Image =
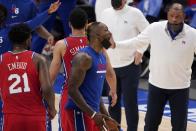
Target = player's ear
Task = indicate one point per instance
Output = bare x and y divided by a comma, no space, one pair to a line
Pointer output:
86,25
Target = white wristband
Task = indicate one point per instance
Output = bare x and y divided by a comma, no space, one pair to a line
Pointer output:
93,115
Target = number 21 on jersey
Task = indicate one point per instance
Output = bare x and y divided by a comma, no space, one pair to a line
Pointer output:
14,89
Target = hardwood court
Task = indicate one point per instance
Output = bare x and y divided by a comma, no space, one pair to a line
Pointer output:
165,124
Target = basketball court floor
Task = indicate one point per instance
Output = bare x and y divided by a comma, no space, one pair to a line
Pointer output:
165,124
142,100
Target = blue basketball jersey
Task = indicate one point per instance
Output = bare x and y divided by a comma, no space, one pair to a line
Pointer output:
91,88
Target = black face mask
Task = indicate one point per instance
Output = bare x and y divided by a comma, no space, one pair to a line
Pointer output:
116,3
106,43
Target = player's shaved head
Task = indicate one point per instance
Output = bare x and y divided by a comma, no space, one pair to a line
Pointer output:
91,29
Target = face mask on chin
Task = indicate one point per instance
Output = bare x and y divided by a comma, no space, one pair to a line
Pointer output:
106,43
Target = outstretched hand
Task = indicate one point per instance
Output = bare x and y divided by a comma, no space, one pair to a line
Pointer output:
54,7
50,40
138,58
113,95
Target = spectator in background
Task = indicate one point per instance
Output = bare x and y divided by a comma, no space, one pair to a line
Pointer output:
5,44
191,12
125,22
92,2
63,12
151,9
24,10
100,6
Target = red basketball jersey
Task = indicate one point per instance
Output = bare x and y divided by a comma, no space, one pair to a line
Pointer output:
191,2
19,84
73,44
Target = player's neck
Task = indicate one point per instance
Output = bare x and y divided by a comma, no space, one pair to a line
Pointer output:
17,49
96,46
78,33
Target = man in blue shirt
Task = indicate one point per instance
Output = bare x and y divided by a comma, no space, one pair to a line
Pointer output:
85,109
33,24
24,10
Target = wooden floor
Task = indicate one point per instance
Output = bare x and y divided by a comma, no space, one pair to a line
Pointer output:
165,124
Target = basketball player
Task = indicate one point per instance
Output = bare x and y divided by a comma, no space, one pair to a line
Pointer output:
85,108
24,83
65,49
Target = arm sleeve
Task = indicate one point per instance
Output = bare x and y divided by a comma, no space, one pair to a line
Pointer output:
38,20
141,22
140,43
34,10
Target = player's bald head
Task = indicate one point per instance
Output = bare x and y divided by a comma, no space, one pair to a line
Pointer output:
92,28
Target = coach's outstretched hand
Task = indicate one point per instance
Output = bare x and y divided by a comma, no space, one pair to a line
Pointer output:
114,97
54,7
137,58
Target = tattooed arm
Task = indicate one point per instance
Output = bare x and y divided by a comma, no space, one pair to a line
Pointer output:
80,64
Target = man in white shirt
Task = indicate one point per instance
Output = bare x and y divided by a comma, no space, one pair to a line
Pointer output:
100,6
173,44
125,22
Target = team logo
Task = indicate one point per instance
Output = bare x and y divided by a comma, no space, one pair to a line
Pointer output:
15,10
101,68
183,42
126,22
